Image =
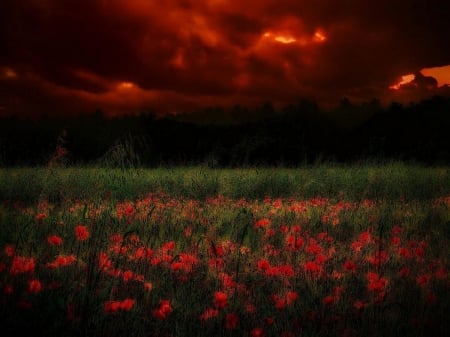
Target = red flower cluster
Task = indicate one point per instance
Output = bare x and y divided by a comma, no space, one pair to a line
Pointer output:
21,265
81,232
114,306
62,261
163,310
220,299
55,240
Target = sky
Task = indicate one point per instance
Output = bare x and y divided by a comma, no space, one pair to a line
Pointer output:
128,56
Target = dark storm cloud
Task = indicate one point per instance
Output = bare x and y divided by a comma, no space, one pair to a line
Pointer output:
188,53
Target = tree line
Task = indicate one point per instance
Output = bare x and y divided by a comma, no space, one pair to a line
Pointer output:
294,135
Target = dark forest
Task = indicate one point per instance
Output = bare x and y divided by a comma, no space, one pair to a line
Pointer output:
297,134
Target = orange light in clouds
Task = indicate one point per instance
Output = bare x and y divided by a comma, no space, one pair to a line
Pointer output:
9,73
284,39
126,85
319,36
441,74
405,79
287,38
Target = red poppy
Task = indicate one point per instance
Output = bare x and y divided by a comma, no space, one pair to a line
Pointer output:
329,300
423,280
127,275
220,299
55,240
257,332
22,265
81,232
163,311
311,266
404,272
263,264
376,283
349,265
127,304
262,223
209,313
10,250
231,321
111,306
34,286
291,297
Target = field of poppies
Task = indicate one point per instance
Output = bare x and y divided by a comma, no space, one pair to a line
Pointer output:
332,259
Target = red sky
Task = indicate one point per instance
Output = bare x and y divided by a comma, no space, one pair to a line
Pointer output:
125,56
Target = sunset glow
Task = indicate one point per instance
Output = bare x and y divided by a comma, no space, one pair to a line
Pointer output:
285,39
208,52
9,73
405,79
319,37
126,85
441,74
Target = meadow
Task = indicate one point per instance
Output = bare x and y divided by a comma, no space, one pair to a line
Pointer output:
325,250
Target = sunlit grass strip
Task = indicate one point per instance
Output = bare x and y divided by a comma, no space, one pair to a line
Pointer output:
390,182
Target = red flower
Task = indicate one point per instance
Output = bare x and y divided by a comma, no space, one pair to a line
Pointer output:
395,240
423,280
148,286
404,272
279,302
357,246
62,261
294,242
127,304
22,265
262,223
376,283
272,271
257,332
291,297
220,299
379,258
396,230
349,265
209,313
313,247
163,311
286,270
81,232
55,240
127,275
129,210
34,286
263,264
311,266
359,304
441,273
231,321
40,216
10,250
168,246
329,300
365,237
111,306
227,280
404,252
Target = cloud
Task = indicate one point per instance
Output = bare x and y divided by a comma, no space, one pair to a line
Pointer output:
179,54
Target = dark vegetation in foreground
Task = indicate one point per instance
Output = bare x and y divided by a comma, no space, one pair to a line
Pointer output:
296,135
324,250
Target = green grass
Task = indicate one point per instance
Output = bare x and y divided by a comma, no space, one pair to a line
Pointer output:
390,181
